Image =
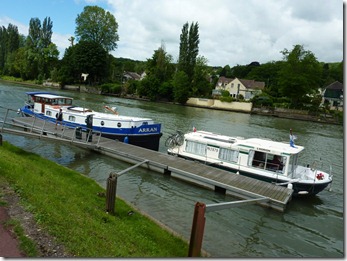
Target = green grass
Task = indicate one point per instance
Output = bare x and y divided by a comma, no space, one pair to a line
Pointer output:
67,206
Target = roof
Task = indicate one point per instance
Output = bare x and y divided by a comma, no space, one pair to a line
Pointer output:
224,80
335,86
132,75
255,143
273,146
47,95
252,84
333,90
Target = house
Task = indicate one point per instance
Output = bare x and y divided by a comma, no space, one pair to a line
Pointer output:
333,95
247,88
131,76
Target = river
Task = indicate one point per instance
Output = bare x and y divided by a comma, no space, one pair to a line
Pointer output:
312,227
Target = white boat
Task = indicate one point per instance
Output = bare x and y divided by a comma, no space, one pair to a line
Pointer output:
267,160
143,132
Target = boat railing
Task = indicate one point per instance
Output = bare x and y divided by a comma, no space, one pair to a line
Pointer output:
319,165
8,115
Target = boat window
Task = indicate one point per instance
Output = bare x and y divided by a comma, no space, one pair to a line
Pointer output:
119,124
274,162
267,161
68,102
196,148
258,160
48,113
72,118
145,123
228,155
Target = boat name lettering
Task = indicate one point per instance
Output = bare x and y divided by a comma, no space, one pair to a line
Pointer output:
263,149
148,130
214,149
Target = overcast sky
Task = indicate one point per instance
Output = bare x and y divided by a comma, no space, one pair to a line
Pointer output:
231,31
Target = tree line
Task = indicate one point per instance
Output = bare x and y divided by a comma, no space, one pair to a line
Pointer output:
296,78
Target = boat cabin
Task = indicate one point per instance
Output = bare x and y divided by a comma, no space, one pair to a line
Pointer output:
39,100
235,152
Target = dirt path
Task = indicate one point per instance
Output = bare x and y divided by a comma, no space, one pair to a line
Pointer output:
9,245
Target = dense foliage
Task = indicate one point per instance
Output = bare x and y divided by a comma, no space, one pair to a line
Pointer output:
294,80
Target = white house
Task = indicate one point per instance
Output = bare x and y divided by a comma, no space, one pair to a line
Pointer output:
247,88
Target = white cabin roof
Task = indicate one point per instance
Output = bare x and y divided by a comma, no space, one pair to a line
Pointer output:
265,145
52,96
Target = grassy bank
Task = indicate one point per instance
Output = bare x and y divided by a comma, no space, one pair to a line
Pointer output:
66,204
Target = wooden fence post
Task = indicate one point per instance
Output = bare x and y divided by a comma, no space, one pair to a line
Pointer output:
197,233
111,190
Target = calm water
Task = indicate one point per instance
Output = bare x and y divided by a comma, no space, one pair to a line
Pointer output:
309,228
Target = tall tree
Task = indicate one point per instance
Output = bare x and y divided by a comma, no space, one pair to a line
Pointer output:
299,75
189,49
96,25
46,32
34,36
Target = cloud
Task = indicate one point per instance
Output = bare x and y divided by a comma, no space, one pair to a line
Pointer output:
231,32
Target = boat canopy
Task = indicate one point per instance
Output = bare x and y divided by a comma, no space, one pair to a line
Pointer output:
264,145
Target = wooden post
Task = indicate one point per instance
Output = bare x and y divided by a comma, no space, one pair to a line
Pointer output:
197,233
111,190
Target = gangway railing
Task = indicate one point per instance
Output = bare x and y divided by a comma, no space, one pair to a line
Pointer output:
8,119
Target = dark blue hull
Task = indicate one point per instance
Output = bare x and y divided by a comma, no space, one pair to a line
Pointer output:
134,136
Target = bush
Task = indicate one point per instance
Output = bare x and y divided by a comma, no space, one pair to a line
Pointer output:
262,101
111,88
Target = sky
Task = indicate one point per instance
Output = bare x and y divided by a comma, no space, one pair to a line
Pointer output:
231,32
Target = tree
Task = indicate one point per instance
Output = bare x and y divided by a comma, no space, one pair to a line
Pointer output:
180,91
96,25
299,75
159,70
200,85
40,51
189,49
91,58
9,44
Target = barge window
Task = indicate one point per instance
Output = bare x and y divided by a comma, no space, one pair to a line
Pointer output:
196,148
72,118
228,155
48,113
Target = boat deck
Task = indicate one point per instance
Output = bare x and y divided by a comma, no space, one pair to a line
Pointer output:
193,172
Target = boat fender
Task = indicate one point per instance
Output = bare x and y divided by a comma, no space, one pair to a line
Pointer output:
126,140
290,186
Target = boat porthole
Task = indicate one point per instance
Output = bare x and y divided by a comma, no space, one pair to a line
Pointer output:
102,123
119,124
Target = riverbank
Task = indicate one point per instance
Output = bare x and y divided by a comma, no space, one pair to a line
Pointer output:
67,207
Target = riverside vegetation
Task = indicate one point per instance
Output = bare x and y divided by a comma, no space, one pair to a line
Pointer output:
66,205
